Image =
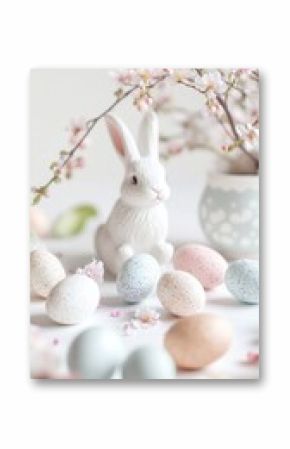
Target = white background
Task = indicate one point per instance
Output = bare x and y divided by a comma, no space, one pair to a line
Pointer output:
94,415
59,95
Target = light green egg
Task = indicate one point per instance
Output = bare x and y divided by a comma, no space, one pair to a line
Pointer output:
149,362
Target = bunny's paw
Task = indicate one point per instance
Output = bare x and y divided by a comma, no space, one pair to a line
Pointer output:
124,253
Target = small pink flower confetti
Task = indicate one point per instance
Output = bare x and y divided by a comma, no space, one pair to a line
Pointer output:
252,358
94,270
147,315
115,313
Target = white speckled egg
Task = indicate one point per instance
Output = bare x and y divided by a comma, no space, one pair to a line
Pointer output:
242,280
73,300
96,353
138,277
180,293
149,362
45,272
206,264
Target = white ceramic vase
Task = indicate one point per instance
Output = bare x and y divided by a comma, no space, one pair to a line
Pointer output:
229,214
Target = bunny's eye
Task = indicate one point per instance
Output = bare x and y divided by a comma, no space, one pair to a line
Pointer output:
134,180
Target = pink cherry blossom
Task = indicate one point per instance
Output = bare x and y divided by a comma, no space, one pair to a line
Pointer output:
76,131
211,80
250,136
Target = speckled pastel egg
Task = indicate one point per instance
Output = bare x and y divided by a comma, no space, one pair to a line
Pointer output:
39,222
206,264
181,293
137,278
198,340
73,300
96,353
242,280
45,272
149,362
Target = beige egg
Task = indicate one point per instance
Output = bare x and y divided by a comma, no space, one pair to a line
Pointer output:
199,340
45,272
39,222
180,293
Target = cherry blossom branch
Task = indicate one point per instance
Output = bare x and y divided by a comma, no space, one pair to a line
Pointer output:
233,128
225,108
42,191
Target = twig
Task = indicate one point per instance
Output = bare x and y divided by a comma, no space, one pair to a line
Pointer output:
42,191
192,86
227,132
233,128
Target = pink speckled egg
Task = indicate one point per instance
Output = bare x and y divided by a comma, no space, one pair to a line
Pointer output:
206,264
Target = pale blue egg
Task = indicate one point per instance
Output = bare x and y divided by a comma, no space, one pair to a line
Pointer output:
137,278
96,353
242,280
148,363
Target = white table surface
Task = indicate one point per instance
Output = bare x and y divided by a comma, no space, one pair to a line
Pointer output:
77,251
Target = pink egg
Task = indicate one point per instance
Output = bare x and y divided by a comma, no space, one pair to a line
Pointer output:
206,264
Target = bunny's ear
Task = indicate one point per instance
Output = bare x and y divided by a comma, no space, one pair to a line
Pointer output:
148,138
122,139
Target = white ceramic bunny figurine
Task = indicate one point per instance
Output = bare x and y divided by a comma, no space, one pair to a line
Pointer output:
138,222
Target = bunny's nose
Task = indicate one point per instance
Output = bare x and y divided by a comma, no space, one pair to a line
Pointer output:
159,192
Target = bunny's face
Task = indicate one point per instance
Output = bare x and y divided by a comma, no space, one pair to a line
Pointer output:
144,184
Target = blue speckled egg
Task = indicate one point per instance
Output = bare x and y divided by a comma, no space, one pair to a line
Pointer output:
137,278
149,362
242,280
96,353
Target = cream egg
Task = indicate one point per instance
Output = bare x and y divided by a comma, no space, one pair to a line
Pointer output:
39,222
180,293
73,300
45,272
199,340
206,264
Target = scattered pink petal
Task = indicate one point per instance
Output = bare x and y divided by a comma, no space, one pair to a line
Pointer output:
115,313
147,315
252,357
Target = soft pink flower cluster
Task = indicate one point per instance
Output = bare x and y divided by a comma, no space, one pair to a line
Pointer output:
94,270
237,90
143,318
143,79
76,137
